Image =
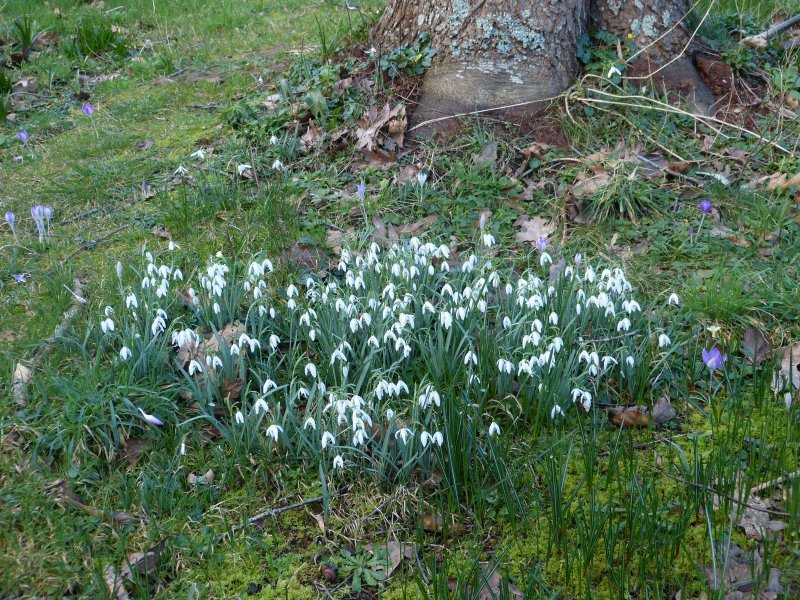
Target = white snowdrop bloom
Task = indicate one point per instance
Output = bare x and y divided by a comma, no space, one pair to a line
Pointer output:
336,355
613,71
630,360
269,385
278,165
360,437
366,319
305,319
446,319
631,306
373,341
437,438
488,240
274,341
473,379
506,322
470,358
338,462
108,311
608,360
158,326
355,325
624,324
195,367
589,275
610,310
216,362
183,448
505,366
373,303
272,313
216,308
553,318
537,325
274,431
556,410
509,289
235,350
291,291
107,325
389,414
461,313
578,308
482,306
545,259
494,429
312,334
404,434
557,344
131,301
291,304
328,440
424,438
663,340
673,299
239,417
311,370
431,270
428,307
125,353
260,405
310,422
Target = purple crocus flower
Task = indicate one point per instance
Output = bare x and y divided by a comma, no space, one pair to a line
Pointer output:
706,206
22,134
10,220
88,109
40,214
19,277
144,187
541,243
151,418
361,190
714,359
691,230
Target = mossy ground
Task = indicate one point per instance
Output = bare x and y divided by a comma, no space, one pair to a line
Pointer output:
188,61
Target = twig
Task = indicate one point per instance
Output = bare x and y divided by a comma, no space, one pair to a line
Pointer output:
80,216
273,512
761,40
768,484
23,375
93,243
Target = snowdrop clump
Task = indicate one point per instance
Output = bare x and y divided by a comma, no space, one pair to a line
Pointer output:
403,358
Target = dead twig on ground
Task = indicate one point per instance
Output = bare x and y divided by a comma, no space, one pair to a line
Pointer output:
93,243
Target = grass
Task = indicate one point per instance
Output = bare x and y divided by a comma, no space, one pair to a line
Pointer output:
578,507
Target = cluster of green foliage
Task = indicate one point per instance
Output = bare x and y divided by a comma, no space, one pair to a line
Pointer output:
409,60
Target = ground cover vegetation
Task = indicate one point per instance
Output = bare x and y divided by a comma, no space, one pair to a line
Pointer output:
257,342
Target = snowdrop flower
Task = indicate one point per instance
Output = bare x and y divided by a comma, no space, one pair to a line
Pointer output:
260,405
607,360
553,318
274,342
545,259
446,319
404,434
268,385
624,325
556,410
470,357
107,325
673,299
437,438
194,367
613,71
274,431
630,360
328,440
505,366
424,438
312,334
240,169
310,422
216,362
278,165
198,154
494,429
338,462
373,341
389,414
663,340
150,418
506,322
125,353
488,240
360,437
239,417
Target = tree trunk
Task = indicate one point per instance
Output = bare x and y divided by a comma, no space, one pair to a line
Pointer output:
496,53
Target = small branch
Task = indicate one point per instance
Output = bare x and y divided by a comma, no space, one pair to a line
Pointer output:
93,243
23,375
761,40
273,512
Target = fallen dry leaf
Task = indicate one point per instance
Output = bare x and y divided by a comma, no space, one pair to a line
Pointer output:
383,235
777,181
371,123
537,149
587,185
418,227
377,158
434,522
139,565
756,523
133,450
114,584
737,579
19,381
306,256
630,416
393,553
493,588
532,228
206,479
488,155
311,137
788,375
162,232
755,345
145,145
231,389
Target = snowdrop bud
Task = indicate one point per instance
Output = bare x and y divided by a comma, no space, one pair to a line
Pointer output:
239,417
630,360
663,340
494,429
119,271
556,410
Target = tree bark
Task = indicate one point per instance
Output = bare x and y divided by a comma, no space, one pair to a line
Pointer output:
495,53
